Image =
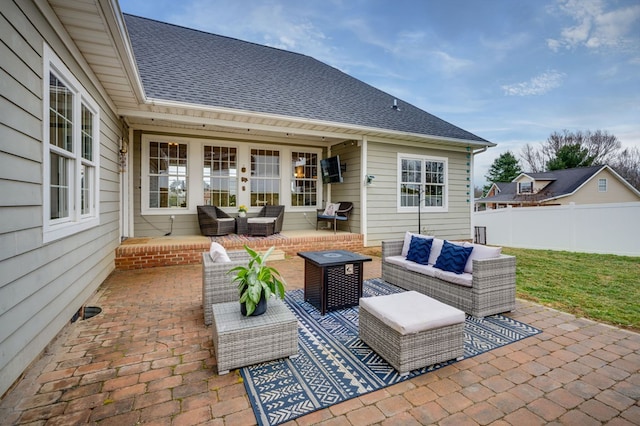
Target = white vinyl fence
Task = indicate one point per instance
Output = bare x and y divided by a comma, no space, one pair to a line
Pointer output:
592,228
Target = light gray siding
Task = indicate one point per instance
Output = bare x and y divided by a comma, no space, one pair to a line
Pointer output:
383,219
42,285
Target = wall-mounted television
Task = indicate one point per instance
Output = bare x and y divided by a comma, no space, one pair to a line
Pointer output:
331,171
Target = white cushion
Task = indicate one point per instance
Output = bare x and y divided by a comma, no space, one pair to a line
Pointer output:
398,260
261,219
225,219
422,269
407,241
480,252
218,253
411,312
331,208
465,279
436,248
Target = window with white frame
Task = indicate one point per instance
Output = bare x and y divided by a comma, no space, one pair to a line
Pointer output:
220,176
602,185
525,187
422,182
304,180
71,153
265,177
166,169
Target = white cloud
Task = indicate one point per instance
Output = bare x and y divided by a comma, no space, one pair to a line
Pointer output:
538,85
596,28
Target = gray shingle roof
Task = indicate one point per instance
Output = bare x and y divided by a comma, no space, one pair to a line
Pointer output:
195,67
563,182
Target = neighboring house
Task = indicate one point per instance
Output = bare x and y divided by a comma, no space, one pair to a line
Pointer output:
583,185
112,125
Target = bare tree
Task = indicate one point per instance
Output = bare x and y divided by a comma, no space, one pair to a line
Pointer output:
627,165
600,145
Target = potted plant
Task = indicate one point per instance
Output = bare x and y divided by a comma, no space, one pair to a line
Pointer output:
257,282
242,210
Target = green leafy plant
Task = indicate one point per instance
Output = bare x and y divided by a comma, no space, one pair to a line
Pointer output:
257,278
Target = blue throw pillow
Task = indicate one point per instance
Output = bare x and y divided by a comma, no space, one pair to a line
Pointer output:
453,257
419,250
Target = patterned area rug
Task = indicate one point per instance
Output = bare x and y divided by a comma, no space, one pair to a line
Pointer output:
334,365
235,238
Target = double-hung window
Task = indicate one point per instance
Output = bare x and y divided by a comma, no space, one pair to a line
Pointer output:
220,176
71,153
422,183
304,180
165,172
265,177
602,185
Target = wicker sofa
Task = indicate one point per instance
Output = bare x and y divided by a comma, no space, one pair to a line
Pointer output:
491,288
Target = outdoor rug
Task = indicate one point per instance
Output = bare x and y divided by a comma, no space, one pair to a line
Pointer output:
236,238
334,365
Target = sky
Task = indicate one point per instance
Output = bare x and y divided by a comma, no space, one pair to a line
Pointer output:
511,72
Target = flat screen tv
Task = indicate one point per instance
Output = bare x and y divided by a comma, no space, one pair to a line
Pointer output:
331,172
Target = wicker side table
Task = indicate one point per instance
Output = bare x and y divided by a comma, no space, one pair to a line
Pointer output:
241,225
240,340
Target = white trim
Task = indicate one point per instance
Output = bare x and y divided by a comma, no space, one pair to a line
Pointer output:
76,222
423,208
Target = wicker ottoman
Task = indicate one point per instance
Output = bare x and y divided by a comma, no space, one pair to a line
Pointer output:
410,330
240,340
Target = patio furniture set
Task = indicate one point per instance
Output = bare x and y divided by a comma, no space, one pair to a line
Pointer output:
410,330
214,221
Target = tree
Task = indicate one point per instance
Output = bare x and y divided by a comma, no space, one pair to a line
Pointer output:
569,157
505,168
600,145
627,165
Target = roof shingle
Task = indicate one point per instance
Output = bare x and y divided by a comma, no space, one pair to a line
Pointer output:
195,67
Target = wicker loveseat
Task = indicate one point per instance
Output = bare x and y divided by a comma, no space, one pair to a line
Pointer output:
489,289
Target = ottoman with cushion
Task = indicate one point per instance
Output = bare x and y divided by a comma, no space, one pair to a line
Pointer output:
410,330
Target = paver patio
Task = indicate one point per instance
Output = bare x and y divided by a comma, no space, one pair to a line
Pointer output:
148,358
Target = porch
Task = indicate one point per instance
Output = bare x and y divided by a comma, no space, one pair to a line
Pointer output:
149,252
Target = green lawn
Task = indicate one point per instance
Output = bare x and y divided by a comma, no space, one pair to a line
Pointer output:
601,287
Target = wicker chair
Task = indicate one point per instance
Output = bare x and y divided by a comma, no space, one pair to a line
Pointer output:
213,221
341,215
217,285
259,226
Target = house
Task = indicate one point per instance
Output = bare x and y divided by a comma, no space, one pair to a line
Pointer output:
117,126
582,185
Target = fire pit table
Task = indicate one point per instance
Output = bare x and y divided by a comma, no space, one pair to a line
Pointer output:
332,279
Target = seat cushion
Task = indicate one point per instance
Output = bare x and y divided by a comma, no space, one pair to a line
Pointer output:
398,261
411,312
429,270
261,219
464,279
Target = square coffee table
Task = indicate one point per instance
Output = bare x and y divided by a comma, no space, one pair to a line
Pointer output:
240,341
332,279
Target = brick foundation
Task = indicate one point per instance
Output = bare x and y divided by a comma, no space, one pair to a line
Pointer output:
140,256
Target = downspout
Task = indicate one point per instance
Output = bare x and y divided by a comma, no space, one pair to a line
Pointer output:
363,192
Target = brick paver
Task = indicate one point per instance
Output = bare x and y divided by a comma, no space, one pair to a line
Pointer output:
149,358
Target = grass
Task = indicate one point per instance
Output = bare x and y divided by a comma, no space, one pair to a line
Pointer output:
601,287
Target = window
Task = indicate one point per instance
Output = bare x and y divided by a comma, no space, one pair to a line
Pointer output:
167,175
422,183
71,153
525,187
265,177
304,180
220,176
602,185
